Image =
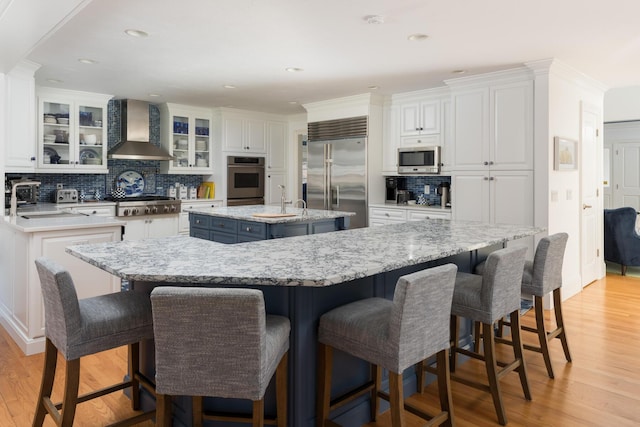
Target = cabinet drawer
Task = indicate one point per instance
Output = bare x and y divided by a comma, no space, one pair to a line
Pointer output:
422,215
381,213
254,230
99,211
200,221
226,225
226,238
420,141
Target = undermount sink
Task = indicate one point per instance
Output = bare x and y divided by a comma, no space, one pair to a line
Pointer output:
37,215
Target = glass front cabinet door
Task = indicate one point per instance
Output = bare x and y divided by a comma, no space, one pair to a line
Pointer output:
186,134
72,131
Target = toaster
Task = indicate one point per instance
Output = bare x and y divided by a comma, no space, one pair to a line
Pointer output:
67,195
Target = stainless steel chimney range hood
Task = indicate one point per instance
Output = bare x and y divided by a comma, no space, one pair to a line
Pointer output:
134,128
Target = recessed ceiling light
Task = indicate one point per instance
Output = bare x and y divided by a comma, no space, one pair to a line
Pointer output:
293,102
459,71
87,61
229,86
373,87
417,37
136,33
374,19
293,69
54,81
154,95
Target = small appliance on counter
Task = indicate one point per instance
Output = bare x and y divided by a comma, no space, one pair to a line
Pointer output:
444,191
26,194
403,197
66,195
393,185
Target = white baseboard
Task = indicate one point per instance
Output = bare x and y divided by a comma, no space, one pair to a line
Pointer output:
28,346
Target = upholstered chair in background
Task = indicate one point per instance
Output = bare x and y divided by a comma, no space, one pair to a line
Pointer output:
621,241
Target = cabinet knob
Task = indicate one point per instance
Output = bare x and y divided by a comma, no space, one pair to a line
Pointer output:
491,163
486,178
485,163
33,159
386,214
248,229
491,178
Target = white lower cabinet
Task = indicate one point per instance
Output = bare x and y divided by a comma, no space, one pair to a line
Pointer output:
21,305
187,205
402,213
383,216
151,226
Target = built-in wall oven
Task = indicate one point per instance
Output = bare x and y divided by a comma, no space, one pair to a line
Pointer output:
245,180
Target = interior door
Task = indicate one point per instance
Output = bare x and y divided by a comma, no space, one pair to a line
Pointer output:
626,191
591,207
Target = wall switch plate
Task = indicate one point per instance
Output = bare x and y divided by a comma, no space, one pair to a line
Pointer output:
426,189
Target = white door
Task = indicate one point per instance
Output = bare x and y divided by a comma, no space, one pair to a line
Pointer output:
591,185
626,191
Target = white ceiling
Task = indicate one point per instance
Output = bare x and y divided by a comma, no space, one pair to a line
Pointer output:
195,47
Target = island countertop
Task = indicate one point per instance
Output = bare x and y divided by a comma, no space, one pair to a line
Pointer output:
247,213
314,260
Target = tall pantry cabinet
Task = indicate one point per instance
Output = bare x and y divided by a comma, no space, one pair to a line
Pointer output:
492,148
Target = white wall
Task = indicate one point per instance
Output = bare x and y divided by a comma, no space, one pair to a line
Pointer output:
621,104
3,127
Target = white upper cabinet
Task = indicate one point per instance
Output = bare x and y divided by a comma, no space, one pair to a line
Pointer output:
186,133
243,134
72,131
276,146
20,120
493,127
420,118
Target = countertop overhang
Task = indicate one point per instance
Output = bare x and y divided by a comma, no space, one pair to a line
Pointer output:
246,213
314,260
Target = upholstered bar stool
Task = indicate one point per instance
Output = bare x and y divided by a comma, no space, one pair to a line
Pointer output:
77,328
218,343
486,299
392,335
540,277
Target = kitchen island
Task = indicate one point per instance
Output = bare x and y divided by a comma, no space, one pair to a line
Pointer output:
239,224
302,278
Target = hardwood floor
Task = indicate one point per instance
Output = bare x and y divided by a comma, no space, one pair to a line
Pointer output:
600,388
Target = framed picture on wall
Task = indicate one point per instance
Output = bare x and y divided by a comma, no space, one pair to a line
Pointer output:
565,154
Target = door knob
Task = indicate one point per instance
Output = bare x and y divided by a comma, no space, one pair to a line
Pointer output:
584,206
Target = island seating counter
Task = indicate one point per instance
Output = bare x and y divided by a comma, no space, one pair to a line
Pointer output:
302,278
238,224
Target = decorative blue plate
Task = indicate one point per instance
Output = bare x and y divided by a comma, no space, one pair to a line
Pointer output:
132,182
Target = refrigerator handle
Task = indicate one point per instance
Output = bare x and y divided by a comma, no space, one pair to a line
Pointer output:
335,201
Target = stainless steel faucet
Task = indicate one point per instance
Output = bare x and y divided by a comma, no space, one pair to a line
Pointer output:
304,206
13,209
283,200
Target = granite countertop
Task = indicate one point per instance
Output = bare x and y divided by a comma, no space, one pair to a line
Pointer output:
313,260
246,213
35,224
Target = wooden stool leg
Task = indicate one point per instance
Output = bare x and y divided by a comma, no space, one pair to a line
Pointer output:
420,367
163,410
492,372
70,400
500,330
557,306
455,330
196,409
48,375
325,366
258,413
477,334
396,399
134,367
518,352
542,335
281,391
444,386
376,371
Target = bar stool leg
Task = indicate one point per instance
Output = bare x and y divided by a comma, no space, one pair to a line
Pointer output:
196,409
444,385
518,352
376,372
542,335
163,410
396,399
281,391
134,367
70,399
48,376
492,372
258,413
420,367
477,335
455,331
557,306
325,367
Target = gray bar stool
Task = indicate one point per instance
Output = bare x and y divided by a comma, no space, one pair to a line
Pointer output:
540,277
78,328
218,342
392,335
487,299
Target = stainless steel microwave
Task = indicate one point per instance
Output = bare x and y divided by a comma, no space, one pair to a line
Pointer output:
419,160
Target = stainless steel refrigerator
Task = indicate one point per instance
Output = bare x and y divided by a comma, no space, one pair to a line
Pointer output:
337,177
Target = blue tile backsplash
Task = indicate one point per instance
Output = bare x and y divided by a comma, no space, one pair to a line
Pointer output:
155,182
416,184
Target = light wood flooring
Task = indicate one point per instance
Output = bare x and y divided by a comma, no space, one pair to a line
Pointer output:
600,388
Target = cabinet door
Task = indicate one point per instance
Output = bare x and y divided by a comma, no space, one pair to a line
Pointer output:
277,152
445,136
512,126
255,137
511,197
272,193
232,134
470,136
56,134
410,119
162,226
430,117
200,156
470,196
135,229
20,147
391,141
91,136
